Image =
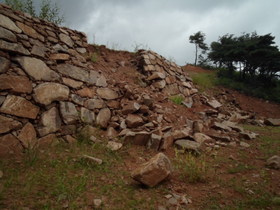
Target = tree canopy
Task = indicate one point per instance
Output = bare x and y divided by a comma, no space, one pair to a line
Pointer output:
47,11
198,39
252,54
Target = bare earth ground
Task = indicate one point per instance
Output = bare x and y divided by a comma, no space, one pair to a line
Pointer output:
222,178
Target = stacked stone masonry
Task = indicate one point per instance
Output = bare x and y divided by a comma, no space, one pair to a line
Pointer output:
48,90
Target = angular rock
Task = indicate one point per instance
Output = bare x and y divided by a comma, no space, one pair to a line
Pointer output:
167,141
10,146
103,117
90,159
200,138
9,24
111,132
30,31
160,84
4,64
87,116
28,136
60,56
95,104
18,106
197,127
51,122
7,35
156,75
16,84
107,93
69,112
248,135
74,72
244,144
86,92
39,51
37,69
221,126
48,92
188,145
133,121
154,142
220,137
101,82
130,108
66,39
137,138
214,104
70,140
48,141
172,90
8,124
13,47
71,83
273,162
272,122
180,134
154,171
114,146
78,99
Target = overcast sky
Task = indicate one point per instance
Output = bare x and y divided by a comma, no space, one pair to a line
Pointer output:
165,25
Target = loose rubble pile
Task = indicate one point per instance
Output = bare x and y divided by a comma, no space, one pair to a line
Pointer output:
50,90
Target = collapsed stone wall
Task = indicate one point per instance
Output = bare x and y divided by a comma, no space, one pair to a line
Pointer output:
49,88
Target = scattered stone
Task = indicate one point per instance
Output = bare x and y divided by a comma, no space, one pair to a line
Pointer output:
87,116
16,84
101,82
214,104
221,126
272,122
130,108
244,144
156,75
97,203
133,121
48,141
90,159
103,117
137,138
37,69
13,47
78,99
111,132
9,24
273,162
18,106
51,122
248,135
69,112
188,145
197,127
39,51
28,136
8,124
4,64
70,140
220,138
154,142
200,138
180,134
114,146
107,93
154,171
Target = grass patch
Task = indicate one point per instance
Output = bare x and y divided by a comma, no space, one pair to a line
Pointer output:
193,169
94,57
178,99
239,168
204,80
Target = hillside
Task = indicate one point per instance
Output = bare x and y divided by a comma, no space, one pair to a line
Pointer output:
78,120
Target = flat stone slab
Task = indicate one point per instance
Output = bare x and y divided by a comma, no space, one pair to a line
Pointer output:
8,124
18,106
17,84
272,122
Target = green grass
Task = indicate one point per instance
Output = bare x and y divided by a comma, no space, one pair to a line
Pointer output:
240,167
193,169
178,99
204,80
94,57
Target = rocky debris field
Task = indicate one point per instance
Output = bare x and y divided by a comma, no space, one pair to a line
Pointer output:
56,90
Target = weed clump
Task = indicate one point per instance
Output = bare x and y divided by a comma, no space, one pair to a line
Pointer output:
177,99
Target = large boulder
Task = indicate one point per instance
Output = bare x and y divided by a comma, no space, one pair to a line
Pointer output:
154,171
48,92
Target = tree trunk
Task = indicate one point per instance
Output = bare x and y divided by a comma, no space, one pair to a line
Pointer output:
195,55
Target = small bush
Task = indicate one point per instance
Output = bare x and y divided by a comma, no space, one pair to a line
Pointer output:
177,99
94,57
194,169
